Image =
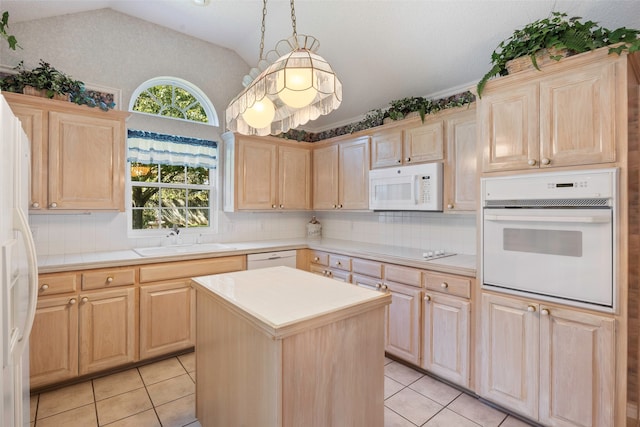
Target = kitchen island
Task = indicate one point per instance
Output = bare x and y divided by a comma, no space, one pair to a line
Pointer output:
284,347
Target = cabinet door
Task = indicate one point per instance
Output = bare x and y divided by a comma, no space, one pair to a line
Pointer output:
325,177
167,318
294,178
509,360
53,343
107,329
509,133
577,368
424,143
577,116
86,162
256,174
353,174
403,323
386,148
446,333
460,179
35,124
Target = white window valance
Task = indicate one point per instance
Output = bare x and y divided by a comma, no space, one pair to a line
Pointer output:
156,148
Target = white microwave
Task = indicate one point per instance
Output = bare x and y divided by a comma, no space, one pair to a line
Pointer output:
406,188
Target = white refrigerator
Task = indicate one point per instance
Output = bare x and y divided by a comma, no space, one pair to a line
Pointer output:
18,270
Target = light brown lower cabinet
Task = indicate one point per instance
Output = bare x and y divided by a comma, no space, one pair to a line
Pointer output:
403,322
53,343
107,329
550,363
167,318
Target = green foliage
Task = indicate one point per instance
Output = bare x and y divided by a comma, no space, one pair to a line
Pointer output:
4,26
170,101
557,32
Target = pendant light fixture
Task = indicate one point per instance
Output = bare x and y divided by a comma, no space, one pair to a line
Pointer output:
285,92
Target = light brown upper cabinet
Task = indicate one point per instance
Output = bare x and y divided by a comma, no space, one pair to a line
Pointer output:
415,143
562,116
77,154
460,167
341,175
267,174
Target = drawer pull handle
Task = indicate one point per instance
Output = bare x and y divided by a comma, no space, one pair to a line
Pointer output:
444,285
72,301
85,299
109,280
531,308
44,287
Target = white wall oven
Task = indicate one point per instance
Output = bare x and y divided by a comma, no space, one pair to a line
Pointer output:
552,236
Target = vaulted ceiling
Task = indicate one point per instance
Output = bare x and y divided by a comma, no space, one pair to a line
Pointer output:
381,50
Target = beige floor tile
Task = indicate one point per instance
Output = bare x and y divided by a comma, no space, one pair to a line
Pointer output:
84,416
401,373
122,406
171,389
447,418
119,383
435,390
475,410
33,406
514,422
194,424
188,361
61,400
391,419
179,412
163,370
387,360
391,387
143,419
413,406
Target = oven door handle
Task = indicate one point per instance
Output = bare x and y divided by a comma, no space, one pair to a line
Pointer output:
549,218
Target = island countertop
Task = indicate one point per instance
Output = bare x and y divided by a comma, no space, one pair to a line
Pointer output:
282,300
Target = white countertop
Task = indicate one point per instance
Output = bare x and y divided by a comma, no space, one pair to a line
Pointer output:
283,296
463,264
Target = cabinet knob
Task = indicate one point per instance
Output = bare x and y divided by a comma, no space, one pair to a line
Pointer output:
316,259
444,285
339,206
531,162
72,301
35,205
385,287
338,263
531,308
44,287
85,299
109,280
335,206
545,161
378,286
53,205
427,297
545,312
273,206
408,159
399,161
281,206
449,206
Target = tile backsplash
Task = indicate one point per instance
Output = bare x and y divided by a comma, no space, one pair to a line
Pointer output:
97,232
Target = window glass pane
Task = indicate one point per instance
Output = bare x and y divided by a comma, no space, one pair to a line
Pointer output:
198,176
144,172
172,112
198,198
197,114
147,104
174,197
174,217
172,174
183,98
146,197
198,217
145,219
162,93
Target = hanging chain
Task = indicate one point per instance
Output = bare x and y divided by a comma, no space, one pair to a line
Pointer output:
262,29
293,20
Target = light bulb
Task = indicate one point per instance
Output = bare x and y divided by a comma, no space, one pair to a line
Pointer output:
296,87
260,114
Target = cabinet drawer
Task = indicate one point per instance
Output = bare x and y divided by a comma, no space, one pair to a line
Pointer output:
405,275
108,278
187,269
51,284
318,257
340,262
366,267
453,285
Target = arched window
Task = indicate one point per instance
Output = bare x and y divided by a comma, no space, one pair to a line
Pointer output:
173,98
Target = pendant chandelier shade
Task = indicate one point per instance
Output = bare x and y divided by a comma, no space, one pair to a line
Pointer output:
296,87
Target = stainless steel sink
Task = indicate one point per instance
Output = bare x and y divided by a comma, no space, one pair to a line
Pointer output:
183,249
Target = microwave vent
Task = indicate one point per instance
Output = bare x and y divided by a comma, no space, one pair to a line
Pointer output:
549,203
